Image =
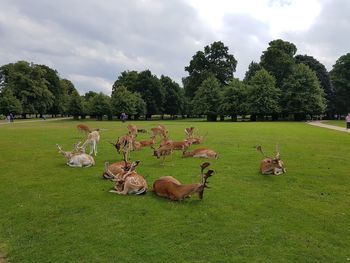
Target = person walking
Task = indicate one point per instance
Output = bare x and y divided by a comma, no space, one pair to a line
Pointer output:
347,119
123,117
11,117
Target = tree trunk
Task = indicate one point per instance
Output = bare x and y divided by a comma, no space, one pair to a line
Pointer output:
222,117
234,117
253,117
76,117
211,117
148,116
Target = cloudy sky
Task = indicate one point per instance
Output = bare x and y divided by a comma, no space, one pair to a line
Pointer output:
90,42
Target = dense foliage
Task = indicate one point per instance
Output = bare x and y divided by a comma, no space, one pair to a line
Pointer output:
280,85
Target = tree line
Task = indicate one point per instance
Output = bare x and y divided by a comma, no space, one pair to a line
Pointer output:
280,85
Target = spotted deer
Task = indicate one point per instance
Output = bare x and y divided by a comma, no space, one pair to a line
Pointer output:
271,165
171,188
201,153
77,158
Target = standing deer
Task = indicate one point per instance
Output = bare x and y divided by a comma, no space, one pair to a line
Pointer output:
201,153
171,188
77,158
130,182
132,129
271,165
160,130
92,140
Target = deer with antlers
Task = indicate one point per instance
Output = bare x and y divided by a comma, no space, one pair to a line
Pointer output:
201,153
77,157
112,170
129,182
92,139
189,132
171,188
271,165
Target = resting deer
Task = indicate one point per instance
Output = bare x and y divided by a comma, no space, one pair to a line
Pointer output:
271,165
148,143
163,151
189,132
196,140
201,153
182,145
92,140
130,182
171,188
112,170
83,128
77,158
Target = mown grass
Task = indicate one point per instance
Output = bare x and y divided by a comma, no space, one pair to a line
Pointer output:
52,213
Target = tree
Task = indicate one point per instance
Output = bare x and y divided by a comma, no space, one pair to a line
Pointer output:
252,69
100,104
322,75
216,61
302,93
278,60
173,99
207,98
340,79
235,99
75,105
9,103
263,94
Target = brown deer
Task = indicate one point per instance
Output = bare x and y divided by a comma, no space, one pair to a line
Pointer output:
112,170
130,182
196,140
189,132
163,151
124,144
271,165
160,130
171,188
148,143
83,128
132,129
182,145
201,153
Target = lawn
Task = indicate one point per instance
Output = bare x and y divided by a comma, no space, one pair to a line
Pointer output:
52,213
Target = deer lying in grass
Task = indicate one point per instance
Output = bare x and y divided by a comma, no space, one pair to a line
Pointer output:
112,170
189,132
83,128
201,153
271,165
77,158
130,182
163,151
171,188
148,142
182,145
92,140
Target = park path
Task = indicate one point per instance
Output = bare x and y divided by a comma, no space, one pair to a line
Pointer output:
41,120
332,127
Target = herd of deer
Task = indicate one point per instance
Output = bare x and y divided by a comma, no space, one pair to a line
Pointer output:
125,176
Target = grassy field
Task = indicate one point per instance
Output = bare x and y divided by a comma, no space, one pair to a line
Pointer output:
52,213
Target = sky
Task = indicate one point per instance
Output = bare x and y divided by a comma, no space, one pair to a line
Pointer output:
91,42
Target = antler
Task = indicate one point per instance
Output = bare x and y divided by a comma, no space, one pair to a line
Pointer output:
59,148
203,166
259,149
205,182
277,152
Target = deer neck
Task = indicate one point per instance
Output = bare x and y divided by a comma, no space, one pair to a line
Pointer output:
186,190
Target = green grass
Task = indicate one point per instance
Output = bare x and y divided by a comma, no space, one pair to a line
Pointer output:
52,213
340,123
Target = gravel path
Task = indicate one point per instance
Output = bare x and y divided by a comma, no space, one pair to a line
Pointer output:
332,127
36,120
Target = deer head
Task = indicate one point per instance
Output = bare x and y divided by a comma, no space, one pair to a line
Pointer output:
271,165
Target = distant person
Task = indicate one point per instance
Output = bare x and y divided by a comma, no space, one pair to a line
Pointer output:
11,117
8,118
347,119
123,116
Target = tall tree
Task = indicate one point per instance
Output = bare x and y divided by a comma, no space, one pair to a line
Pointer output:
235,99
322,75
173,99
252,69
75,105
207,99
9,103
264,95
278,60
100,105
340,78
302,93
216,61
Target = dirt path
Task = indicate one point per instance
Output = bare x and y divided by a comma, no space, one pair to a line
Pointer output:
40,120
332,127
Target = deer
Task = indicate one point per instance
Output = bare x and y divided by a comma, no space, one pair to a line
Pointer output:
112,170
201,153
77,158
148,143
189,132
160,130
92,140
132,129
181,145
162,151
196,140
129,182
171,188
124,144
83,128
271,165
